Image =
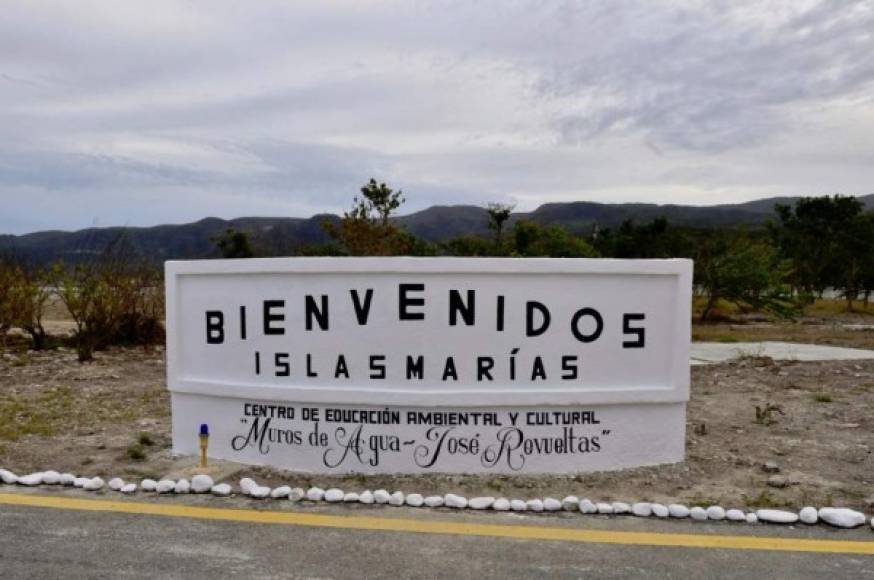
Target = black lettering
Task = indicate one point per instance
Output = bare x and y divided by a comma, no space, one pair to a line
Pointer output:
457,306
379,369
566,367
449,369
415,367
341,369
320,314
242,322
270,317
280,361
639,332
404,302
484,365
215,327
530,307
537,370
310,371
362,311
575,324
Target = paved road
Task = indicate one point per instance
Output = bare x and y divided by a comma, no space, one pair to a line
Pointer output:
41,542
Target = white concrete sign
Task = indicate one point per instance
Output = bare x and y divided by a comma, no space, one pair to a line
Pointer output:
413,365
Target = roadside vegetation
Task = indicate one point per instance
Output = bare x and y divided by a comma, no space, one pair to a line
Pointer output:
820,249
815,258
114,299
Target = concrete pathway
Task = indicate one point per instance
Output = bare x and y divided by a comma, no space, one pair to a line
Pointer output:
703,353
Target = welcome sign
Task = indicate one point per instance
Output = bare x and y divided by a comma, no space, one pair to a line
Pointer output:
467,365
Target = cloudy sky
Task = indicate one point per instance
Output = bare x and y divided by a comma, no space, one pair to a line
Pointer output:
138,113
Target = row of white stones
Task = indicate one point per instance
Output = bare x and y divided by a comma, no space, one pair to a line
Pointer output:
839,517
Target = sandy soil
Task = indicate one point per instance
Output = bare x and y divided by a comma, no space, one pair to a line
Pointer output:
56,413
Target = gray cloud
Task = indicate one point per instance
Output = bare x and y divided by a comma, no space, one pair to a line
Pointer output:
119,113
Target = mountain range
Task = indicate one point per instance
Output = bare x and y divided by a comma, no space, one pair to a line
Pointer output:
286,235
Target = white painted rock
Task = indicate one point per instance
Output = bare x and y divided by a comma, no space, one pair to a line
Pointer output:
296,494
94,484
660,510
259,492
367,497
80,481
841,517
128,488
115,484
31,479
381,496
51,478
620,507
165,486
678,510
481,503
642,509
280,492
752,518
415,500
8,477
808,515
247,484
517,505
315,494
777,516
182,486
334,495
501,504
201,483
148,485
604,508
454,501
571,503
587,507
351,497
698,513
67,479
396,499
434,501
735,516
551,504
221,490
715,513
534,505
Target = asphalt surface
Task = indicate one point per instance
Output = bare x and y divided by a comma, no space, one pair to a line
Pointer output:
41,542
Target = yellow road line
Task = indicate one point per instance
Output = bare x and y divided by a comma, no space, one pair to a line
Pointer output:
385,524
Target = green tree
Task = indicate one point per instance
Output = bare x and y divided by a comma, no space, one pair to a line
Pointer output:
819,237
731,267
8,278
30,294
656,239
471,246
91,302
379,199
367,229
533,240
234,244
498,215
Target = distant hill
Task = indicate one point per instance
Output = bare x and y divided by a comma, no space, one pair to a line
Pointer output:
284,236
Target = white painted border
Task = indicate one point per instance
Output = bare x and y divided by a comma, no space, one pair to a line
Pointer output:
470,396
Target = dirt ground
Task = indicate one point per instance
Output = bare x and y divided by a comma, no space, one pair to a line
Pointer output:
111,418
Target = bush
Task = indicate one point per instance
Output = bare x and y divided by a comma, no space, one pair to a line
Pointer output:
136,452
116,299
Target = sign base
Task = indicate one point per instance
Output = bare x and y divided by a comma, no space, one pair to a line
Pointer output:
341,439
